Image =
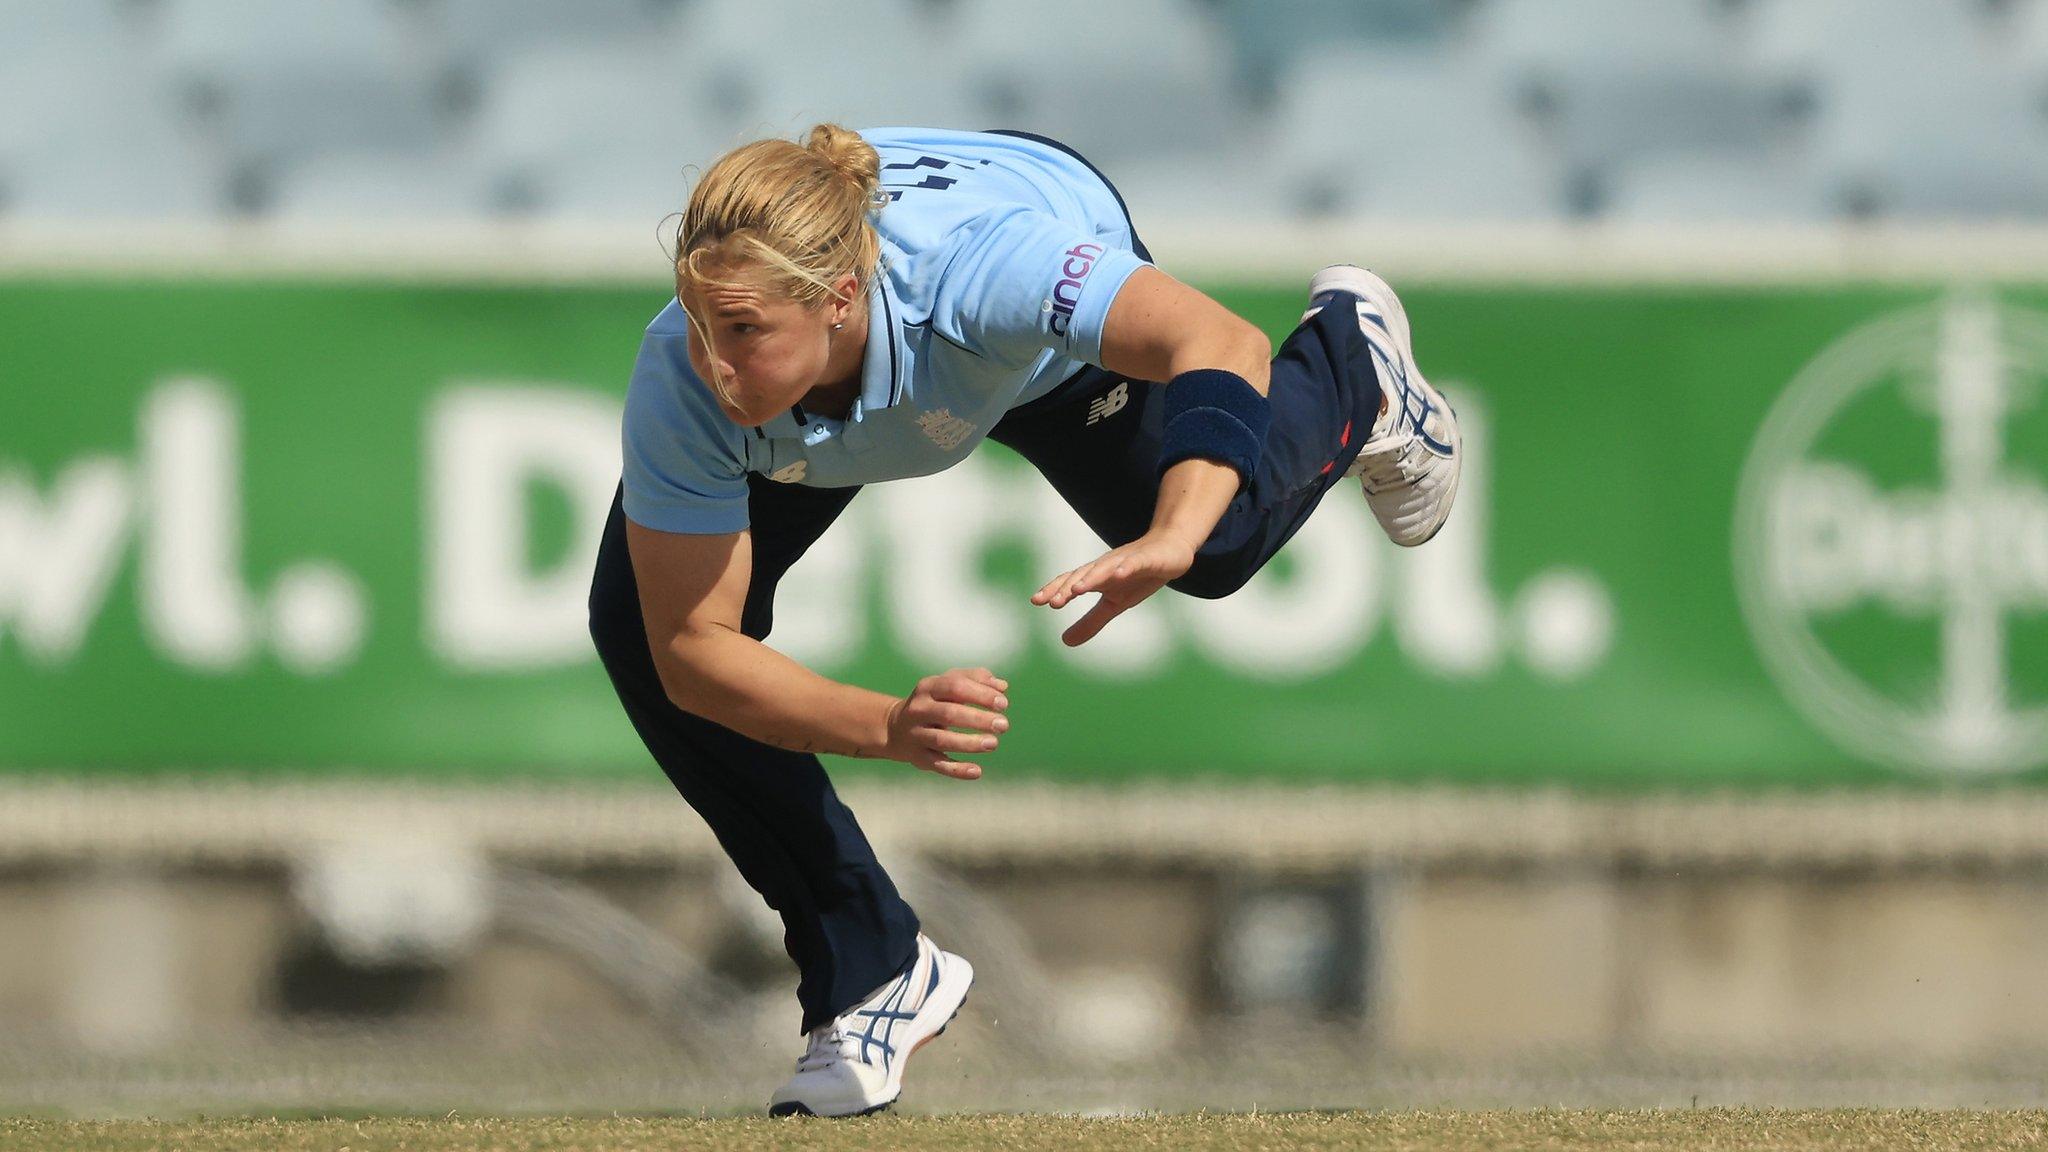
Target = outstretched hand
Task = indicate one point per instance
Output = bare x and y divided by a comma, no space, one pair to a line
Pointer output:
1124,576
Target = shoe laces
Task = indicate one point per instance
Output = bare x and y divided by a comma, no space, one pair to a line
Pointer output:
830,1044
1395,462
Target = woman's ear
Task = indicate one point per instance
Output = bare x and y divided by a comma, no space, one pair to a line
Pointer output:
845,291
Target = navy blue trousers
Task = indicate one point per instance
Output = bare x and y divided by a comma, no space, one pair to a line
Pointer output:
775,811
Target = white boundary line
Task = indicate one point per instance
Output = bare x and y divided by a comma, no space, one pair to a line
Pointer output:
216,821
460,251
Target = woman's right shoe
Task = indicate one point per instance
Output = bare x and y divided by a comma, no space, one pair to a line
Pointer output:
854,1064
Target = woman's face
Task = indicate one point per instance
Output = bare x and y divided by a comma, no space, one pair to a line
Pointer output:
770,350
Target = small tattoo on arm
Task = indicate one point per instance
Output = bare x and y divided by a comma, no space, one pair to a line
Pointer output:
790,743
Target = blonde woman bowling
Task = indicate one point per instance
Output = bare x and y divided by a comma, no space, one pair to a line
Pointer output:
870,306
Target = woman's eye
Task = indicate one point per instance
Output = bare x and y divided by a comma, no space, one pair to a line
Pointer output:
742,329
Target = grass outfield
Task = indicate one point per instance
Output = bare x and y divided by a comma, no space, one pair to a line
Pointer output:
1689,1130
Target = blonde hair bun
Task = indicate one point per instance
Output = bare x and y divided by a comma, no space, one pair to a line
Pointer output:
849,155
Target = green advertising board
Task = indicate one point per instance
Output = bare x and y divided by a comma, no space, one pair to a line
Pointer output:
1707,537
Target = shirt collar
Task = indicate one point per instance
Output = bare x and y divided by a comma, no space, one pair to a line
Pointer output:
881,372
881,379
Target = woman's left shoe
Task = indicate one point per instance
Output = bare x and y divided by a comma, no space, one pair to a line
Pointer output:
854,1065
1410,462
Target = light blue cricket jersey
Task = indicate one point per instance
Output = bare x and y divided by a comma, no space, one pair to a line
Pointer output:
1000,258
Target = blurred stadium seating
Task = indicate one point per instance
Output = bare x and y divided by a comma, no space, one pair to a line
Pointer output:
1735,110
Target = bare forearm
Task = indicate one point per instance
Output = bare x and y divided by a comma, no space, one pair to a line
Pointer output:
1193,495
758,692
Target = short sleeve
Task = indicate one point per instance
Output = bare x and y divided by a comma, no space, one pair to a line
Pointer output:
1024,281
684,463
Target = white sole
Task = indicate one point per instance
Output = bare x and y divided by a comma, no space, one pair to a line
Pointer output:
1368,286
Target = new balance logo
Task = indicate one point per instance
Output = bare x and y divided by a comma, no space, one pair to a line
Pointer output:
791,473
945,429
1109,403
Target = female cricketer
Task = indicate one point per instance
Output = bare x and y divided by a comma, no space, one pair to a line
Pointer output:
870,306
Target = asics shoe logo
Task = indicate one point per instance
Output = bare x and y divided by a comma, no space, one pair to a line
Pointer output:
1402,397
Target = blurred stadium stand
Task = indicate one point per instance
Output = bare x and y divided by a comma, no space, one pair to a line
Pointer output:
1732,110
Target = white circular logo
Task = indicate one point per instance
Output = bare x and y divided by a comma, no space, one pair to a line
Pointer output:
1891,539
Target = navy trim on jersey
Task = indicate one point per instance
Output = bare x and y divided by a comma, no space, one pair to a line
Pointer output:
1137,245
895,369
927,326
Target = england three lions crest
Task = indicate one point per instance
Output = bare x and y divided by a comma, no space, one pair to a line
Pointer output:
945,429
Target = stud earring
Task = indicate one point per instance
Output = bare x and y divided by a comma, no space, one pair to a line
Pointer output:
837,327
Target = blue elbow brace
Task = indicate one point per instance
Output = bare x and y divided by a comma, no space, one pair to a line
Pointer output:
1217,415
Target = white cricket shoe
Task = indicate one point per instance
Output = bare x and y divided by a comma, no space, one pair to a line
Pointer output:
855,1063
1411,459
